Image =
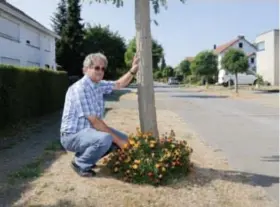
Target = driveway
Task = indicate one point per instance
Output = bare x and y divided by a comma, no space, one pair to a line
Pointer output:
245,131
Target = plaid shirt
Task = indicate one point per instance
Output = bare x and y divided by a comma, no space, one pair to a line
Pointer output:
84,98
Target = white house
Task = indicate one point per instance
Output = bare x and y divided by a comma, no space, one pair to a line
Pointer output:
238,43
24,41
268,56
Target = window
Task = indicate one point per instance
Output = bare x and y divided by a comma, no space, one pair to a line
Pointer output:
47,45
252,60
9,29
32,38
240,45
261,46
32,64
10,61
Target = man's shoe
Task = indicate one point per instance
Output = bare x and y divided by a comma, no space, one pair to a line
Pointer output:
83,173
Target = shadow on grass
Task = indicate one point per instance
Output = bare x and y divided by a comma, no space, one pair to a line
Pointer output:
200,177
116,95
60,203
199,96
203,176
273,158
266,91
18,132
19,181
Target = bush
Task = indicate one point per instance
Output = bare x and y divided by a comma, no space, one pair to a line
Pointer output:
29,92
192,79
148,160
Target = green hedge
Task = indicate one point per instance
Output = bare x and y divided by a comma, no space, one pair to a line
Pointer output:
29,92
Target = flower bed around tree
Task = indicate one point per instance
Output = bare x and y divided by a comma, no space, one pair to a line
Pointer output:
149,160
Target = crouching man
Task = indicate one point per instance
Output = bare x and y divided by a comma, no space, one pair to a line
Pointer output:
83,130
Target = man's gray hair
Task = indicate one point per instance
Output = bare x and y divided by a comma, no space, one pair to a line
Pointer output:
89,59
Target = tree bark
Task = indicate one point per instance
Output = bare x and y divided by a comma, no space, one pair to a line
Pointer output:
206,82
145,82
236,83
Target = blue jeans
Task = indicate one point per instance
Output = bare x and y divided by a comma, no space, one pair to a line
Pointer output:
90,145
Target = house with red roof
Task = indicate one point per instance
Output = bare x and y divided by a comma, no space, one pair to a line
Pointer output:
238,43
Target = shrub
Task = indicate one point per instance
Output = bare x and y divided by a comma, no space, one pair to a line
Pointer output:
29,92
148,160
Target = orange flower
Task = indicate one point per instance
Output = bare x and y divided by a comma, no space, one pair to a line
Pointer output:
152,145
131,142
127,160
137,145
137,161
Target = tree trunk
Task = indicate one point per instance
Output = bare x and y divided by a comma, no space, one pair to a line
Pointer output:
146,96
236,83
206,83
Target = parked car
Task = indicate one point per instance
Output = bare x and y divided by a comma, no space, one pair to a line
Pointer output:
248,78
172,81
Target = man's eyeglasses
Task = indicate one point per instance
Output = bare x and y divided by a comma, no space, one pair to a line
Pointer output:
98,68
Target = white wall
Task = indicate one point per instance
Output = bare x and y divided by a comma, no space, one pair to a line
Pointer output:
25,45
246,47
268,56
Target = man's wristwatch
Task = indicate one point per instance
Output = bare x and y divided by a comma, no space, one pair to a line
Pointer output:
132,73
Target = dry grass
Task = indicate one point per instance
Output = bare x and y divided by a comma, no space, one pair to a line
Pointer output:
211,183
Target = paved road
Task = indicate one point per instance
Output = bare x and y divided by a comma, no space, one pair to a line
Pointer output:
246,131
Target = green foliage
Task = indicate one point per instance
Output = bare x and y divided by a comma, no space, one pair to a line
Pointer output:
184,68
163,63
157,51
260,80
71,44
111,44
149,160
158,75
59,21
192,79
235,61
155,3
29,92
168,72
204,65
59,18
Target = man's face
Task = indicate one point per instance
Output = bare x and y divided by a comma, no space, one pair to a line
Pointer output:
96,72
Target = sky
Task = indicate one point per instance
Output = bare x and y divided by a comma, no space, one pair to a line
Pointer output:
184,29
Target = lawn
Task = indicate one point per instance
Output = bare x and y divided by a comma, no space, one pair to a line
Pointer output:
211,182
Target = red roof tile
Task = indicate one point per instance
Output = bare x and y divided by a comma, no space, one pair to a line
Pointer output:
189,59
221,48
250,54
